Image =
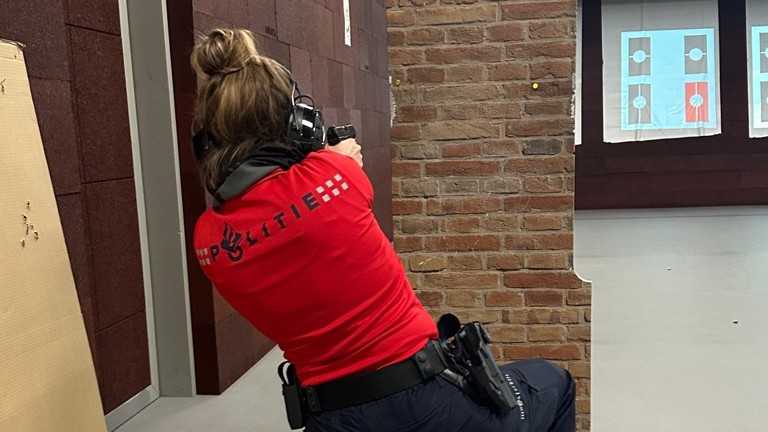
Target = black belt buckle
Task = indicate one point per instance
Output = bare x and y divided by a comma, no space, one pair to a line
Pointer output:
313,402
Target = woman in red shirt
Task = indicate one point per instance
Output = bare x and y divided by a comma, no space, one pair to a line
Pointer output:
293,246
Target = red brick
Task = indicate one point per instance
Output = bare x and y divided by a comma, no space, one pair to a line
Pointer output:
507,261
504,298
546,334
552,69
541,279
548,107
502,222
463,298
461,149
541,316
400,18
407,207
456,15
421,187
463,205
461,131
426,263
580,297
406,169
549,89
549,261
508,147
408,243
541,165
506,334
544,184
470,35
502,186
504,110
406,56
416,113
465,262
506,32
508,72
468,73
419,151
532,50
416,225
452,55
539,127
454,186
395,38
461,280
463,93
473,168
424,36
551,29
431,298
462,224
458,112
580,369
415,2
463,243
547,351
406,132
538,10
580,333
544,298
539,241
543,222
426,75
481,315
549,203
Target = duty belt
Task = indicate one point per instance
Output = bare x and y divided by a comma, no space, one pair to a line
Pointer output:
357,390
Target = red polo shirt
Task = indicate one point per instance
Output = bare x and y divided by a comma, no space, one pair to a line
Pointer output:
301,256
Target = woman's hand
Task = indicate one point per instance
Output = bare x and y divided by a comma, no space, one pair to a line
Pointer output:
349,147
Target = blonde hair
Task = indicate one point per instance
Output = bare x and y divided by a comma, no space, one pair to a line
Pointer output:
244,99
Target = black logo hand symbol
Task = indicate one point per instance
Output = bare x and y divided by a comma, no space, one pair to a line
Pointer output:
231,243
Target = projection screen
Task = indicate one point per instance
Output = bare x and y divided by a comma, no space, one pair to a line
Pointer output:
757,60
660,69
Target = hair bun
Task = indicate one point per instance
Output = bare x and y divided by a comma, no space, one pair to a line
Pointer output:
223,51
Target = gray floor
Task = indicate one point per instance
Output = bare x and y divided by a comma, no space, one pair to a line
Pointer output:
680,330
680,318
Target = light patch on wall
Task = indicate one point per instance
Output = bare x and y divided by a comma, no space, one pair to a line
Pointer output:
347,25
392,104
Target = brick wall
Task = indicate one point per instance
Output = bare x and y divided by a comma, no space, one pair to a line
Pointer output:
483,172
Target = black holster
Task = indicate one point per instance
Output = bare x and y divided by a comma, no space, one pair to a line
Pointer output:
471,365
296,406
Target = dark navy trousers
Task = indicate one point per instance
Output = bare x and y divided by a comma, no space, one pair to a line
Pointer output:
546,398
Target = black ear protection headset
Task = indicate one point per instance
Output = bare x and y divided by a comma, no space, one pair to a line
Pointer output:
305,125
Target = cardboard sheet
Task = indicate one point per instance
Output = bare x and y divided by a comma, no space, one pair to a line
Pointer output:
47,378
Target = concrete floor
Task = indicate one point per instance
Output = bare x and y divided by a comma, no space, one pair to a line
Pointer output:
680,318
680,330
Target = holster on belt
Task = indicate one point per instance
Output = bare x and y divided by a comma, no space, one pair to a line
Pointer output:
471,365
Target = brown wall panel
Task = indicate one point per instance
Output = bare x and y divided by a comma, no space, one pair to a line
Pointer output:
53,103
74,58
123,366
115,251
102,108
725,169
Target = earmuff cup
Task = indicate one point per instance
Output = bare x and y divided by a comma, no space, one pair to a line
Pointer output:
306,125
